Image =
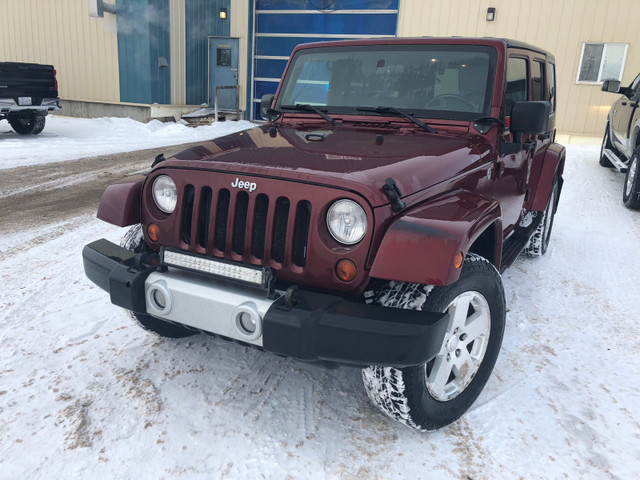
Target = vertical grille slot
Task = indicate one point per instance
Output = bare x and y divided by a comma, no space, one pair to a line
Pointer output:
280,229
259,226
240,222
187,213
222,213
204,216
301,233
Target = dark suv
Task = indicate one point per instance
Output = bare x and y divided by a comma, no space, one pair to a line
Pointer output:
365,224
621,142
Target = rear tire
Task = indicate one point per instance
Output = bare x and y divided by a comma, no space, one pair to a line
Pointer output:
25,125
631,192
539,241
433,395
134,240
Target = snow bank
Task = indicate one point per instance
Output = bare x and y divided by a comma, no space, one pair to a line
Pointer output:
66,138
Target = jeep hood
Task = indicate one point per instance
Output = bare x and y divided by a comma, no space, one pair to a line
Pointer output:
355,159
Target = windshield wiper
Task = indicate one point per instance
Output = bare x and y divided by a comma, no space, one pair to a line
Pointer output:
404,113
310,108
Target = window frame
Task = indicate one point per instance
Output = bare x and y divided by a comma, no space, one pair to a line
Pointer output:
600,80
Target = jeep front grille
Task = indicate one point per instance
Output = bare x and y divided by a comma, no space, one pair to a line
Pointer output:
240,226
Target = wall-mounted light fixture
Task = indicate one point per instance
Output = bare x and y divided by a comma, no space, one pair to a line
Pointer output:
491,14
223,13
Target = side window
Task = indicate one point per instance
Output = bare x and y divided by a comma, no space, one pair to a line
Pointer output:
537,81
517,84
551,85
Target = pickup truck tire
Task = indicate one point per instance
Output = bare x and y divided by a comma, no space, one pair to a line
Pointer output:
25,125
134,240
430,396
539,241
631,192
606,143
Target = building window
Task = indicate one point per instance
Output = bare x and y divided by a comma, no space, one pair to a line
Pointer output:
602,61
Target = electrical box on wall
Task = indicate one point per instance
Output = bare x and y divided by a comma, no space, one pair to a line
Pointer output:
96,8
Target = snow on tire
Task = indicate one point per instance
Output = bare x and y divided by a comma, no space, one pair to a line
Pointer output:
433,395
133,240
539,241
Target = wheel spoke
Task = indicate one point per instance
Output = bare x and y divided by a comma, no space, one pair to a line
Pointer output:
463,368
439,374
459,311
477,325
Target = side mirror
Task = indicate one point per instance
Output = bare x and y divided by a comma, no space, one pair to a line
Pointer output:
266,111
611,86
530,117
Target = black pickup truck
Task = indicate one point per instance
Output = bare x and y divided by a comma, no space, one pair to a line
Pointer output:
621,141
28,91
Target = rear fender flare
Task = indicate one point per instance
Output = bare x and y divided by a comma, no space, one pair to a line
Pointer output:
120,202
542,176
420,246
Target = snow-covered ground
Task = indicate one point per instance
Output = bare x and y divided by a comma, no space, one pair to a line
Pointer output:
66,138
86,394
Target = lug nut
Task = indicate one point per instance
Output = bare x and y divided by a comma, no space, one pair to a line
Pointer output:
448,357
463,337
458,352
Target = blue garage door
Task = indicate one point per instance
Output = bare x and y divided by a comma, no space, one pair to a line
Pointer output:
280,25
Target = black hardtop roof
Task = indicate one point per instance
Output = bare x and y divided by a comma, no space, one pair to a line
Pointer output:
509,43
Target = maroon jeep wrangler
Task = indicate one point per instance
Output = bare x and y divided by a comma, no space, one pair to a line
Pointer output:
365,224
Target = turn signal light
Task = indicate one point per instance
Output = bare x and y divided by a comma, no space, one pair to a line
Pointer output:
154,232
346,270
458,259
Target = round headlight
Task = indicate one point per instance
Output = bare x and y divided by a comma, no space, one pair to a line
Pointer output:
165,193
347,222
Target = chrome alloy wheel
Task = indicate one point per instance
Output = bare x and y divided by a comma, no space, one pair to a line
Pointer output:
631,177
463,349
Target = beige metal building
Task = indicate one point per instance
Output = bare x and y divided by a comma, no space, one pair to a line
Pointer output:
99,60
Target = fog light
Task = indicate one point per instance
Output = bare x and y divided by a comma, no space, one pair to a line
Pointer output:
346,270
248,323
160,299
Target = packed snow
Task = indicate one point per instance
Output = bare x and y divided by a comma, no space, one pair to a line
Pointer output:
84,393
66,138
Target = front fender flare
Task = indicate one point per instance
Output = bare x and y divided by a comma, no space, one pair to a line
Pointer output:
120,202
420,246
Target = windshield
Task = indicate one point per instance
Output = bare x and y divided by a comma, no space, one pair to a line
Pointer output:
436,81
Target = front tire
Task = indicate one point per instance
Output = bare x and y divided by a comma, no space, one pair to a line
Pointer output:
631,192
25,125
134,240
431,396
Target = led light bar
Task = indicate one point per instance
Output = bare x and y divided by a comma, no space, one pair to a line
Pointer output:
259,277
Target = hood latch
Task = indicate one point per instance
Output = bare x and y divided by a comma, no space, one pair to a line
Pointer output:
393,194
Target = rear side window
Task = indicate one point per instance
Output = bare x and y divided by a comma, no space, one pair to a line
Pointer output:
551,85
537,81
517,84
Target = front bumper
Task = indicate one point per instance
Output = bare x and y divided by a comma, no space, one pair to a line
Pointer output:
313,326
